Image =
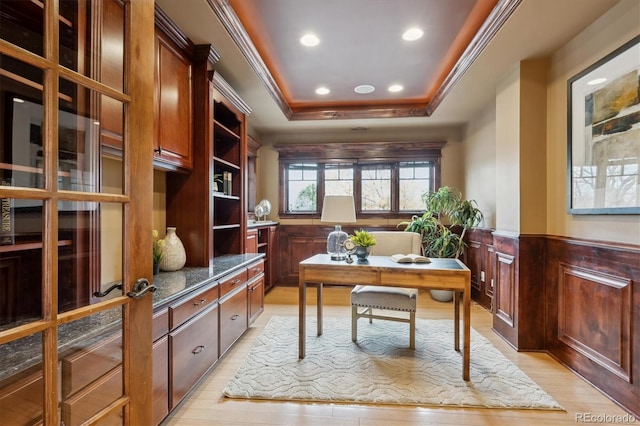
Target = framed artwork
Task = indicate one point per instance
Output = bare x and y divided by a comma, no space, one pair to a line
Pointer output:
603,126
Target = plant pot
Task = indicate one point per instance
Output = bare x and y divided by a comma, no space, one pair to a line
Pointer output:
156,268
442,295
362,253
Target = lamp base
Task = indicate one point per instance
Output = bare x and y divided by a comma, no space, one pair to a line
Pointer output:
335,242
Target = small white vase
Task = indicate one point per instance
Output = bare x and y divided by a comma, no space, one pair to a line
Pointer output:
173,255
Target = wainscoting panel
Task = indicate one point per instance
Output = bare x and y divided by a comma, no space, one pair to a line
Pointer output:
507,292
593,315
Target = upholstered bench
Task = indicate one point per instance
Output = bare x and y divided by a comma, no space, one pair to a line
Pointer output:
388,298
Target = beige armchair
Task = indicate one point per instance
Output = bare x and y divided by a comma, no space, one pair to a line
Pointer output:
387,298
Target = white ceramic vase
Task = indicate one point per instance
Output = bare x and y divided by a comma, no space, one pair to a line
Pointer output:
173,255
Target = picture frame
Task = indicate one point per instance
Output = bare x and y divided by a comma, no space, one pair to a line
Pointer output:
603,135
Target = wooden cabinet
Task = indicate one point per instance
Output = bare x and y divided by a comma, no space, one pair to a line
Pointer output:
214,221
252,241
479,257
173,124
193,349
264,239
233,317
256,298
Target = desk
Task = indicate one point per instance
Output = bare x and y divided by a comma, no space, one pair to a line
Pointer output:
441,274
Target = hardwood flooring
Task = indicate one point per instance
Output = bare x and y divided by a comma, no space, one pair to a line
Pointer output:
206,405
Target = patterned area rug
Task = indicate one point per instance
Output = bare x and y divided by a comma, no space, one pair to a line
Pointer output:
380,368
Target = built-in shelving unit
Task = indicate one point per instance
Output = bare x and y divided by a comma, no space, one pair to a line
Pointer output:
212,223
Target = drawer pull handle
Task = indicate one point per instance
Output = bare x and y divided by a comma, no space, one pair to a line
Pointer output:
235,317
251,289
198,349
200,302
257,269
236,281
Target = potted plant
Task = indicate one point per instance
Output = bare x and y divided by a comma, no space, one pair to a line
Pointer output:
438,239
158,244
364,241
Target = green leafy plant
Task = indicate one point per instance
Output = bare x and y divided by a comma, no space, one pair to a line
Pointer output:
438,239
158,244
363,238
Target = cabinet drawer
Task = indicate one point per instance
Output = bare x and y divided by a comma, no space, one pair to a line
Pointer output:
232,282
89,364
255,269
187,308
233,319
160,407
81,406
160,324
256,298
193,348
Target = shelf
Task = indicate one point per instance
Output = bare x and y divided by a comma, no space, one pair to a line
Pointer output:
224,131
262,245
226,163
223,196
30,246
222,227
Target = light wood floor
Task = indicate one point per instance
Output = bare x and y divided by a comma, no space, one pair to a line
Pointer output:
207,406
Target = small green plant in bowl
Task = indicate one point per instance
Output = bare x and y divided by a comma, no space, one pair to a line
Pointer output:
363,238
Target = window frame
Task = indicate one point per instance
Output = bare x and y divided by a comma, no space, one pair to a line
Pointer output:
359,155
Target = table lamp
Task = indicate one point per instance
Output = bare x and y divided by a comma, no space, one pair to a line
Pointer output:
337,209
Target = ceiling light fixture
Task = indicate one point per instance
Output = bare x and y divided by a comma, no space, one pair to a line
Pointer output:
395,88
412,34
363,89
322,91
309,40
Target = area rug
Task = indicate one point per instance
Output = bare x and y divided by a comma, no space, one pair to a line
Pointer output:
380,369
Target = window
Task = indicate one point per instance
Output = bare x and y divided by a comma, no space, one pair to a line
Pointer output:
386,179
376,188
302,187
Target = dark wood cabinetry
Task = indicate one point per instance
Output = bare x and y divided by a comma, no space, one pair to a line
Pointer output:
479,256
264,239
193,349
214,222
173,123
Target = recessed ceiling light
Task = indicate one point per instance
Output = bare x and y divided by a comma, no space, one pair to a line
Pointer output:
322,91
596,81
364,89
395,88
309,40
412,34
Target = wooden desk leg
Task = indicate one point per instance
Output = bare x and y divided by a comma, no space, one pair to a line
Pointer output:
456,320
302,314
319,316
467,334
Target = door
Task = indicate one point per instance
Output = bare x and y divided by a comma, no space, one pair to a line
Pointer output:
75,229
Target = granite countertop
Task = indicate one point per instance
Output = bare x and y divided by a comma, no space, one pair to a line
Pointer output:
26,353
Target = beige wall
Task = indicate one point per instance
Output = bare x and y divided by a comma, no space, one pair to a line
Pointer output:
612,30
111,219
521,164
480,164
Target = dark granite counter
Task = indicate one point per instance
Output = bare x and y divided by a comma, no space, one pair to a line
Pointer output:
173,285
26,353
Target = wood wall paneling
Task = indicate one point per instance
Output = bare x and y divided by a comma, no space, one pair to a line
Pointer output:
592,315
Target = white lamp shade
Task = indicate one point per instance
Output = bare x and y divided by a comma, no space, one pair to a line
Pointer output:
338,209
